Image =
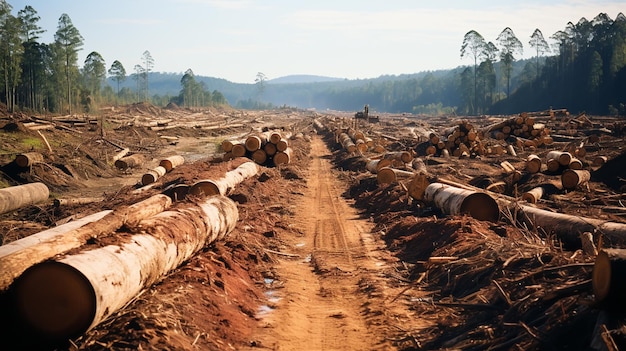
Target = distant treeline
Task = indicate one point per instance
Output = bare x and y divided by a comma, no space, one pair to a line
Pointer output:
583,70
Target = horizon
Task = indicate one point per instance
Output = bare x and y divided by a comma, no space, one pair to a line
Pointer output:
236,39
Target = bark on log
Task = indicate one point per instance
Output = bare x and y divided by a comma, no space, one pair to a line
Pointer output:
76,201
609,285
172,162
403,156
572,178
567,227
101,281
132,161
562,157
374,165
26,252
28,159
152,175
224,185
457,201
19,196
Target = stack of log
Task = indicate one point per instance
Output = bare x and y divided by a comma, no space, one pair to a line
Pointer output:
523,129
353,140
460,140
269,148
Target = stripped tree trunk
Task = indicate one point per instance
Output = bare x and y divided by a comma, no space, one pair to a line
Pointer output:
28,159
21,254
152,175
609,285
172,162
18,196
224,185
457,201
101,281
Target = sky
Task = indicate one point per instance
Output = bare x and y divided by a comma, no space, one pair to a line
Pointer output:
354,39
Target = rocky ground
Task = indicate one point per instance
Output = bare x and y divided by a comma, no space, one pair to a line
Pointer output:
323,256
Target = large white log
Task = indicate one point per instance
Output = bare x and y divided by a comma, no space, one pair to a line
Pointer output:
457,201
64,298
24,253
18,196
225,184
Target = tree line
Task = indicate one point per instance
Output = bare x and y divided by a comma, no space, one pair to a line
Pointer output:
46,77
581,68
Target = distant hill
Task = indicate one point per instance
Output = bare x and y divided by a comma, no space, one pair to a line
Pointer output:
303,78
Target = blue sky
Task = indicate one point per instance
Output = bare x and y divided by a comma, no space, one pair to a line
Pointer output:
236,39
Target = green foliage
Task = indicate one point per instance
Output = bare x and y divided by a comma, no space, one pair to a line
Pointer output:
29,143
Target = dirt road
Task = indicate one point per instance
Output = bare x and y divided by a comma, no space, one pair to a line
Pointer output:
317,302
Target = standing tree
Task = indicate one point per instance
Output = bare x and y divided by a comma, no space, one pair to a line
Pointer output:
188,82
474,47
94,72
118,73
139,77
148,64
541,46
32,64
509,46
260,84
11,51
68,42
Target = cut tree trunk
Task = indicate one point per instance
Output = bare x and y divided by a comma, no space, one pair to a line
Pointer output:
132,161
172,162
76,201
120,154
533,164
388,175
224,185
572,178
533,195
152,175
374,165
19,196
26,252
100,281
28,159
457,201
283,157
609,285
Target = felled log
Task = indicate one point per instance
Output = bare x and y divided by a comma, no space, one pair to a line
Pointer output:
259,156
120,154
533,164
283,157
152,175
19,196
609,285
457,201
253,143
402,156
132,161
26,252
562,157
222,186
598,161
572,178
575,163
347,143
100,281
76,201
533,195
172,162
28,159
388,175
238,150
374,165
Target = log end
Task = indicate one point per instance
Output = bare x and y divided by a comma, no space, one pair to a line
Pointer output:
55,300
204,188
481,206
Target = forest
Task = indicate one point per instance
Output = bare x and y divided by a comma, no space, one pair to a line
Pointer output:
581,67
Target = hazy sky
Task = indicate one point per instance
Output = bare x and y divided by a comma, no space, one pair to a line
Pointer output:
236,39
